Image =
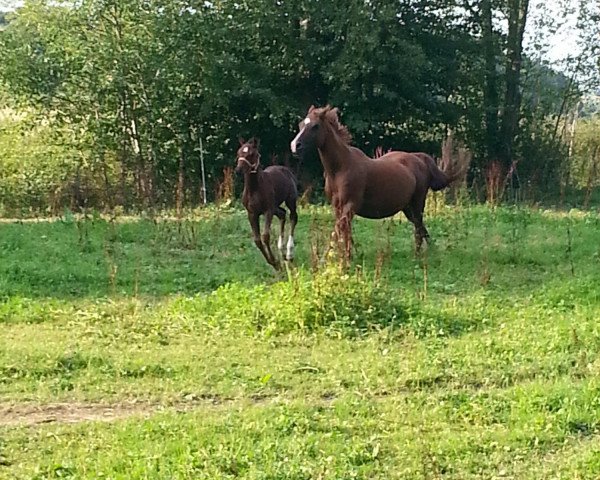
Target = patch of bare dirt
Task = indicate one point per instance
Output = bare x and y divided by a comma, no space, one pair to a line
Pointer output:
13,415
28,415
33,414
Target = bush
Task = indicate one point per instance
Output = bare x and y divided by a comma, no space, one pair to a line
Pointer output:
330,300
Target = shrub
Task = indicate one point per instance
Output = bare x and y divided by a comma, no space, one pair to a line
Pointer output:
331,300
328,299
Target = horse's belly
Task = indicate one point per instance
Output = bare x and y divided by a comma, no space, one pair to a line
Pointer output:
372,211
387,196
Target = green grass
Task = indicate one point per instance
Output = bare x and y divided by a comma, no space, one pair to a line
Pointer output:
478,360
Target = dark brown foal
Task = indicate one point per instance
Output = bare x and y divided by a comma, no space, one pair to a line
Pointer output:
264,192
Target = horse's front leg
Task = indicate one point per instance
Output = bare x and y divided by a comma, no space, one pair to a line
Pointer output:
343,230
266,238
255,225
346,230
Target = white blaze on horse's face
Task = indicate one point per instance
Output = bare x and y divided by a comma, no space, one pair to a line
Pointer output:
297,137
245,149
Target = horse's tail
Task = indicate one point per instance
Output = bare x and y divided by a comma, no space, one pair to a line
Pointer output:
441,178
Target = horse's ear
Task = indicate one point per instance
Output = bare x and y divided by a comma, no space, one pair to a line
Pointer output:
254,141
311,108
241,140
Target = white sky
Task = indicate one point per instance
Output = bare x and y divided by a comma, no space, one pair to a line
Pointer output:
564,41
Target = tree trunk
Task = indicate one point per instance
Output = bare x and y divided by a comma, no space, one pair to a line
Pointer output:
512,100
107,187
493,179
180,180
591,178
491,100
565,184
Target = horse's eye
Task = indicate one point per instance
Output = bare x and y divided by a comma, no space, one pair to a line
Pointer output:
314,126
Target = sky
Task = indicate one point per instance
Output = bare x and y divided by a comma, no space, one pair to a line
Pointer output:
564,41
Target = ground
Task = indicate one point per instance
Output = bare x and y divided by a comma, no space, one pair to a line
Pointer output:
152,348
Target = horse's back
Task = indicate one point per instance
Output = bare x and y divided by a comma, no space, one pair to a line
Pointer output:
417,163
283,181
281,173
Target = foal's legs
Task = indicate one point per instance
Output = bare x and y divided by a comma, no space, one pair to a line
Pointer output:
291,204
266,237
280,213
255,225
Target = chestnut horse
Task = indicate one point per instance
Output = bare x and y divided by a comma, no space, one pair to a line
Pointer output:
264,192
372,188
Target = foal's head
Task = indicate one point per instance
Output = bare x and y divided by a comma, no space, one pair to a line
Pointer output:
248,158
314,129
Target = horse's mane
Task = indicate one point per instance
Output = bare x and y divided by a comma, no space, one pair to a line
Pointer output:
330,115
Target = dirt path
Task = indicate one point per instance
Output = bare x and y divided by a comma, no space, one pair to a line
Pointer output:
32,414
28,414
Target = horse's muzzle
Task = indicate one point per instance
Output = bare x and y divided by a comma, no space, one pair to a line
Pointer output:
298,152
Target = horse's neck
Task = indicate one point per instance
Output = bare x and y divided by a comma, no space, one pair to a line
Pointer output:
335,155
252,181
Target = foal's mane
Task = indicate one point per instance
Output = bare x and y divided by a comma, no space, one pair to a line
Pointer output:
330,115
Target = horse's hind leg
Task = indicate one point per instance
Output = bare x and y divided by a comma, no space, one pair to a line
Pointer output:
291,204
266,238
255,225
419,207
414,213
411,218
280,213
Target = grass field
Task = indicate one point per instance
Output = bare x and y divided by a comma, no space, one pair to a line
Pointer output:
157,349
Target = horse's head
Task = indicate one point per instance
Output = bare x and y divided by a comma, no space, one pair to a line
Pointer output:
311,135
248,158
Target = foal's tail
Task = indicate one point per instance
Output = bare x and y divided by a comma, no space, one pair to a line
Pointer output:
441,178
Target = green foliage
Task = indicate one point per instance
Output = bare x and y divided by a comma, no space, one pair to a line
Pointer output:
41,168
585,164
339,302
133,88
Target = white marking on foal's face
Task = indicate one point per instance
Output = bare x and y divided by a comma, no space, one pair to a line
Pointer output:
245,149
306,121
